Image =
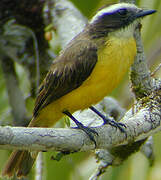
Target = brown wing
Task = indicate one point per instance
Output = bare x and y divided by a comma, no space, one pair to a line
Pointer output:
67,73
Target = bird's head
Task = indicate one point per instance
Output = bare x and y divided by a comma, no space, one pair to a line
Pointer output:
121,18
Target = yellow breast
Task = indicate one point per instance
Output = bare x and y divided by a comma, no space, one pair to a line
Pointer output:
114,59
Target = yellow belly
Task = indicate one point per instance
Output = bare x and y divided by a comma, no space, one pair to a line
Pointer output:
114,59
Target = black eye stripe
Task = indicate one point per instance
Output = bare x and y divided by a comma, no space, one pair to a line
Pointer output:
122,12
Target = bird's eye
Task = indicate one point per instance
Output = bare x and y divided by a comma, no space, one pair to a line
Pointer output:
122,12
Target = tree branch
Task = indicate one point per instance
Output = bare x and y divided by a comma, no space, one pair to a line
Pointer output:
141,122
142,82
15,96
67,20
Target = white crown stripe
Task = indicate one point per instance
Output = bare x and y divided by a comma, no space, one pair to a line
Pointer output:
111,9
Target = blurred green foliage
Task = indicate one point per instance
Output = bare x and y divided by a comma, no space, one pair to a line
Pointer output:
80,165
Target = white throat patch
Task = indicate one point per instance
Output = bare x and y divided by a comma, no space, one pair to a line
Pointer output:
126,32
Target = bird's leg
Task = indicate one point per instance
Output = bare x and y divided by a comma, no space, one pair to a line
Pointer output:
109,121
87,130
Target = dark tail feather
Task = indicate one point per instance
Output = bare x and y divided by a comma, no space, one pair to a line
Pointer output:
19,163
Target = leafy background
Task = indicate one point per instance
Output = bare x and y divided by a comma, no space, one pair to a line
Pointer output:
80,165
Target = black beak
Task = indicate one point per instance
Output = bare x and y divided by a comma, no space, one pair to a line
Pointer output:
143,13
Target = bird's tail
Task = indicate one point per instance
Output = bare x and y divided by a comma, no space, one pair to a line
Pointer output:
19,163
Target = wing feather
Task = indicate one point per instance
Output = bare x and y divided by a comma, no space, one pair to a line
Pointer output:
67,73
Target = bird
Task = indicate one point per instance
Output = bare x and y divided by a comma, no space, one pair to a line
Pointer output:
87,70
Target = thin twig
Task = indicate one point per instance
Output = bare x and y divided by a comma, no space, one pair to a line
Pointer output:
39,167
36,50
157,69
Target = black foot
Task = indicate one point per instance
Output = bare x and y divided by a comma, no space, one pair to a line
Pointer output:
106,120
119,125
89,131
